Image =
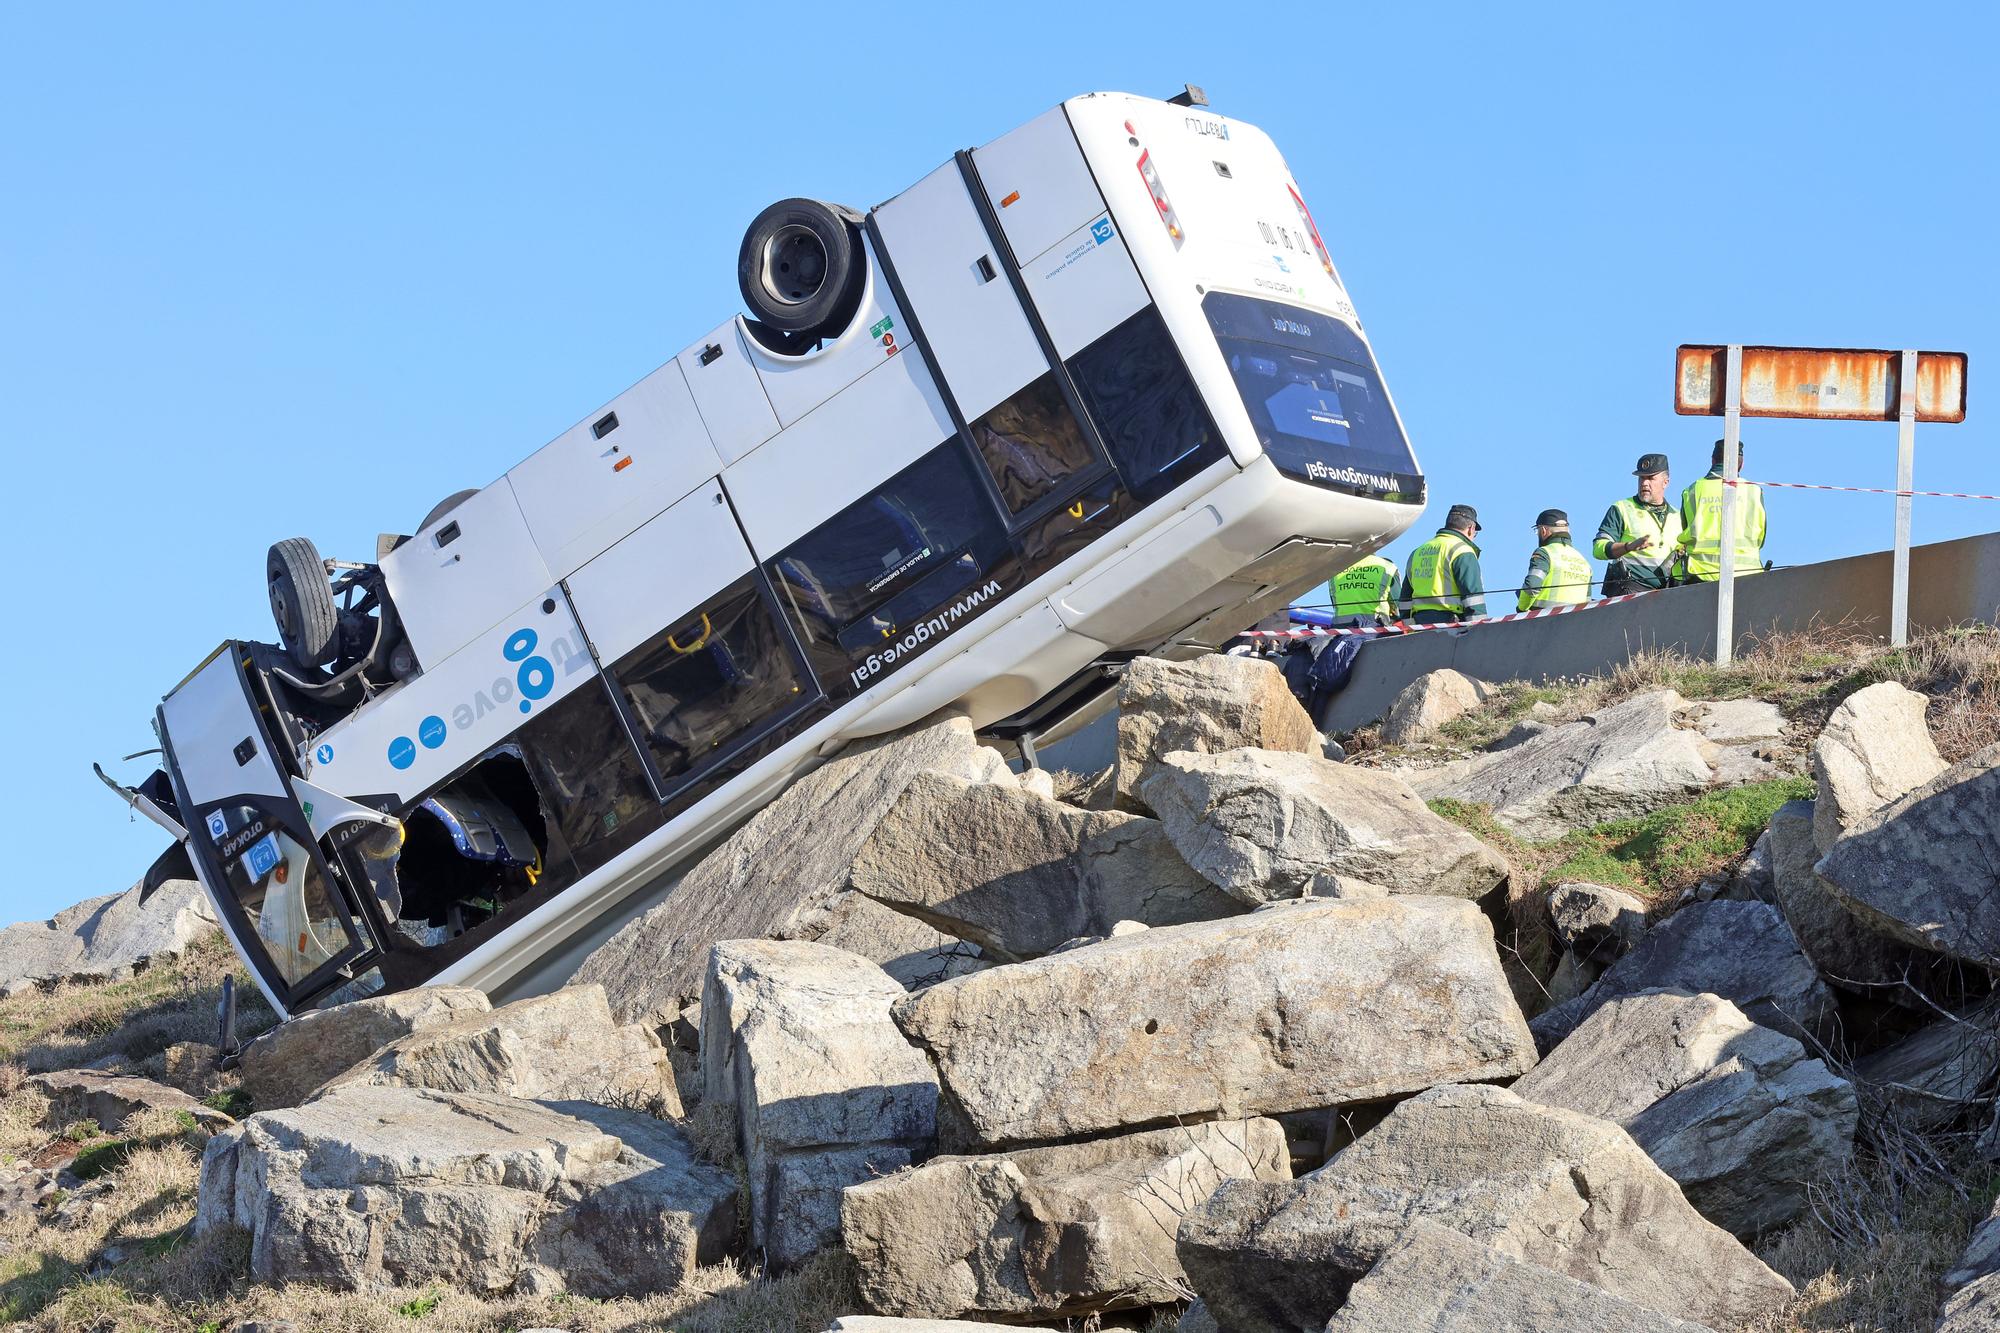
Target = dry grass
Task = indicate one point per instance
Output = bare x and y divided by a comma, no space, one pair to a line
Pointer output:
1960,670
21,1116
711,1129
1074,788
126,1261
1872,1260
1807,673
140,1207
193,1286
138,1020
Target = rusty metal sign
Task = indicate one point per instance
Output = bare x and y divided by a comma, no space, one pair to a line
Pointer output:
1828,383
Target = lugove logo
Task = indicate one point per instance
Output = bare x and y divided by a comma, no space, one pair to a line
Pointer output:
537,675
534,678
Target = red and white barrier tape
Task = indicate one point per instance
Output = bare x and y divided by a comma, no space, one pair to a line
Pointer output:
1862,490
1405,627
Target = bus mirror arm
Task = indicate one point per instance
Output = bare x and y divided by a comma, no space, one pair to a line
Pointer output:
142,804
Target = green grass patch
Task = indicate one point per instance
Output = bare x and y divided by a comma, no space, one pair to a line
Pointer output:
1478,820
1655,855
1680,846
101,1157
420,1306
235,1103
1496,717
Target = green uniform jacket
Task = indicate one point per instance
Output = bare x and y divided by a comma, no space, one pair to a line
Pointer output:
1558,575
1462,585
1633,517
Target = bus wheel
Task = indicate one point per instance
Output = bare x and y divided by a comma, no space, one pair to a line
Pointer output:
801,268
302,602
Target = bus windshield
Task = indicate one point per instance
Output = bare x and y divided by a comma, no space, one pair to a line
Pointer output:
1315,397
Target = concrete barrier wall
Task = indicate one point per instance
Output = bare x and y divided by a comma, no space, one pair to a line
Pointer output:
1951,583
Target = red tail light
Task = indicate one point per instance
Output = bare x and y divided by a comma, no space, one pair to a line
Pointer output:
1306,219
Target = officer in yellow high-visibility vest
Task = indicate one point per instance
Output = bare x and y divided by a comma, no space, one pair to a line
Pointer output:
1442,582
1558,575
1640,535
1365,591
1701,523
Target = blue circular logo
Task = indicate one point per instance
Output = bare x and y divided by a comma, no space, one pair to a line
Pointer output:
431,731
402,752
324,754
537,675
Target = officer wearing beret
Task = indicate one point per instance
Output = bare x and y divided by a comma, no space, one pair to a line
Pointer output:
1640,535
1558,575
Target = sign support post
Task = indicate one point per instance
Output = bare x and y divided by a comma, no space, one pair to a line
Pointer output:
1906,448
1732,436
1736,380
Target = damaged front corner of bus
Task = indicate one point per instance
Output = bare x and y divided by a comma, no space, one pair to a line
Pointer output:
320,892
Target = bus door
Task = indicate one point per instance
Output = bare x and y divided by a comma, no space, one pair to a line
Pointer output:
961,288
255,842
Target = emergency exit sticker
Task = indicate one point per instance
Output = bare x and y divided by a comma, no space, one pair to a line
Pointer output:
881,327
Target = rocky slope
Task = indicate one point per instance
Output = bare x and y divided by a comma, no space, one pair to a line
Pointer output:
1241,1038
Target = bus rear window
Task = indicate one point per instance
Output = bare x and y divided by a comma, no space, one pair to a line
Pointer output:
1315,397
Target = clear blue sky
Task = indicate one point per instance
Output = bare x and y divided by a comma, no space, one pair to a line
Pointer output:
270,271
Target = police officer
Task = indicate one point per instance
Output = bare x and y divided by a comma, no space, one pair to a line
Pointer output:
1558,575
1701,523
1442,583
1365,592
1640,535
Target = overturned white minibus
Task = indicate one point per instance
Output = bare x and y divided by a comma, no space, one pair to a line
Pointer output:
1090,391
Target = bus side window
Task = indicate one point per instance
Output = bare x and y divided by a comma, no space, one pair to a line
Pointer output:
717,675
1146,408
1031,443
593,790
897,570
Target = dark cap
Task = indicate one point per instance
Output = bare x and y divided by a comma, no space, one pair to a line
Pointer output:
1650,464
1715,454
1552,518
1461,515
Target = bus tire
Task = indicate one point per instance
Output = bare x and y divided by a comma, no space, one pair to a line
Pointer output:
801,268
302,602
